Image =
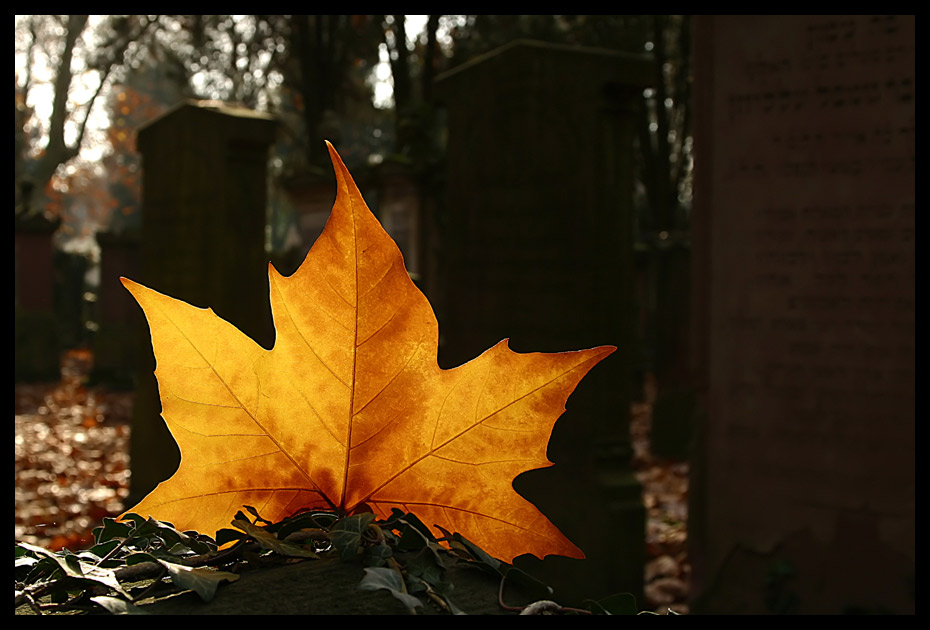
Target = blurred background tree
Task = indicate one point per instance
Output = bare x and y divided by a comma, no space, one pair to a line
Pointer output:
321,68
66,61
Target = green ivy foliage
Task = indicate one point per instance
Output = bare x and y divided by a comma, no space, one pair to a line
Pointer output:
135,560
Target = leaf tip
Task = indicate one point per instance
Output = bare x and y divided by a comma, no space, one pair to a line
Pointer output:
131,286
333,153
345,183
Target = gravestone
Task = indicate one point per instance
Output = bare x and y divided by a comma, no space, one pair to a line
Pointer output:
538,248
119,316
204,192
803,495
397,206
37,343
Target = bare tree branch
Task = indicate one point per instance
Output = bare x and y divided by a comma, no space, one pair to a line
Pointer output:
110,55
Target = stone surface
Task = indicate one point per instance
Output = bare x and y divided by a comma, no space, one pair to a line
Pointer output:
118,315
805,313
330,587
37,342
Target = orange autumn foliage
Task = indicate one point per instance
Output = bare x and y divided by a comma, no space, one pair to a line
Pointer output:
350,411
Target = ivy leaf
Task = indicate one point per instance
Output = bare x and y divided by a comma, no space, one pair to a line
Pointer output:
349,411
73,567
166,532
426,566
117,606
139,557
414,534
102,549
346,534
377,555
269,541
111,529
67,562
203,581
255,513
478,554
383,578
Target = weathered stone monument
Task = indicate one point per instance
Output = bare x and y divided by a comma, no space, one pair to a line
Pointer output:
537,248
118,315
804,213
37,344
204,192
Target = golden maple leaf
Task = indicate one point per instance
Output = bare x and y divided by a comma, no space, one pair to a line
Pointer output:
350,411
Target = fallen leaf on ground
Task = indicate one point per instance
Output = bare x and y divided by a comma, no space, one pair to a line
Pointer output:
350,411
70,454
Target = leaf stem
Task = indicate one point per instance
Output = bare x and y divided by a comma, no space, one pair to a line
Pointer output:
500,596
394,564
540,606
163,570
114,551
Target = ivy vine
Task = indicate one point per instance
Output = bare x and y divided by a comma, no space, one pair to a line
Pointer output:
135,560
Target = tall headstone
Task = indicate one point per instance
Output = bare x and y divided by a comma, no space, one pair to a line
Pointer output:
311,194
538,249
118,315
204,193
804,213
37,343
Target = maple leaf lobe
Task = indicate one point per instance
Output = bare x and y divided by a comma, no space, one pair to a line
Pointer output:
349,410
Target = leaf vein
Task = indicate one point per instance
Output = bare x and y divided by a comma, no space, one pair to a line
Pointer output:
305,474
386,322
477,421
235,491
300,333
446,458
444,508
316,413
387,271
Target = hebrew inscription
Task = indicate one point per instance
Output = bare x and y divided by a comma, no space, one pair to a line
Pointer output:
812,318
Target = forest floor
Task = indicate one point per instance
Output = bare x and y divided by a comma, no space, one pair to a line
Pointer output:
72,468
667,575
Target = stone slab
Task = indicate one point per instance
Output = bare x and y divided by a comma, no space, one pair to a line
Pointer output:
805,309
